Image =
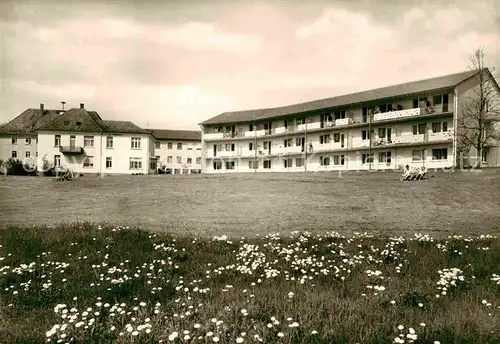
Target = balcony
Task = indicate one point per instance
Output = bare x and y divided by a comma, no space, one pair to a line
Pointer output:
254,133
343,121
213,136
442,136
309,126
409,138
71,150
288,150
397,114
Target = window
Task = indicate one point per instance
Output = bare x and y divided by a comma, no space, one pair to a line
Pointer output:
169,159
179,146
445,126
179,159
109,142
217,165
385,157
28,140
189,161
484,154
419,129
339,114
229,147
299,162
88,141
169,145
298,141
381,133
336,137
109,162
27,154
438,99
14,154
250,146
135,142
157,145
14,140
57,160
440,154
338,160
267,164
418,155
324,160
57,141
367,158
250,127
324,139
436,127
88,161
365,135
198,160
190,148
288,162
229,165
135,163
266,144
198,148
288,142
253,164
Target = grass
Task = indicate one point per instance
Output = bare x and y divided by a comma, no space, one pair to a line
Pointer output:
242,204
84,283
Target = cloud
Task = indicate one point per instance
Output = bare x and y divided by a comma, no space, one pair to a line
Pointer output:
176,65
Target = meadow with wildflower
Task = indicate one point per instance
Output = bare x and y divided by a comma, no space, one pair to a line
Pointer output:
87,283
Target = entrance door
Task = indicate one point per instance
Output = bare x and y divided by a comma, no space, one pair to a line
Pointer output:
72,141
215,150
389,135
303,143
341,140
445,102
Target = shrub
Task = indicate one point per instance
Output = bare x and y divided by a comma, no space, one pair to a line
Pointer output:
18,168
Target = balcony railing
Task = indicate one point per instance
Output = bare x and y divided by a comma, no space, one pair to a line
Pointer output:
70,150
287,150
343,121
213,136
397,114
441,136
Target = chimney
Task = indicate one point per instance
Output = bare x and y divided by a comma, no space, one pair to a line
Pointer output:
63,103
41,108
82,106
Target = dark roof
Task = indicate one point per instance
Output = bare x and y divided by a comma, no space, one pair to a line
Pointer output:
74,120
414,87
81,120
186,135
29,121
121,127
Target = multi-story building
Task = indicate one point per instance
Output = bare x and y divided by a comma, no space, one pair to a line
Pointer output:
178,151
81,141
387,128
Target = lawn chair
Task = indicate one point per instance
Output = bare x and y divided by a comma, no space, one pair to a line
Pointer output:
422,173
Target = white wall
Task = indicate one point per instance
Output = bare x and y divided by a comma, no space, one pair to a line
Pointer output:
190,149
120,154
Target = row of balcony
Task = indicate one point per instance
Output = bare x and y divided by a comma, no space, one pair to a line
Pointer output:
351,143
341,122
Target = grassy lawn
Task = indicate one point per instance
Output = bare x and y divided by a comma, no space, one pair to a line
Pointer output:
244,204
89,284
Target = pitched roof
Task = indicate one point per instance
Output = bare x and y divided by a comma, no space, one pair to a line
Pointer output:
413,87
29,121
81,120
121,127
166,134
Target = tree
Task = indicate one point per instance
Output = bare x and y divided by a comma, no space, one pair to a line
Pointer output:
478,124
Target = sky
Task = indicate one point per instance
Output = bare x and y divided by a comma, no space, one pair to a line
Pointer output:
173,64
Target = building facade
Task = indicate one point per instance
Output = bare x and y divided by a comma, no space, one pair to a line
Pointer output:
409,124
178,151
79,140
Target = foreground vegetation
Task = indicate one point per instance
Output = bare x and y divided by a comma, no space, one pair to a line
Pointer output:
95,284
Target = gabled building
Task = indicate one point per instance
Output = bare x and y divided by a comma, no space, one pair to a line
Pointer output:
412,124
80,140
178,151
